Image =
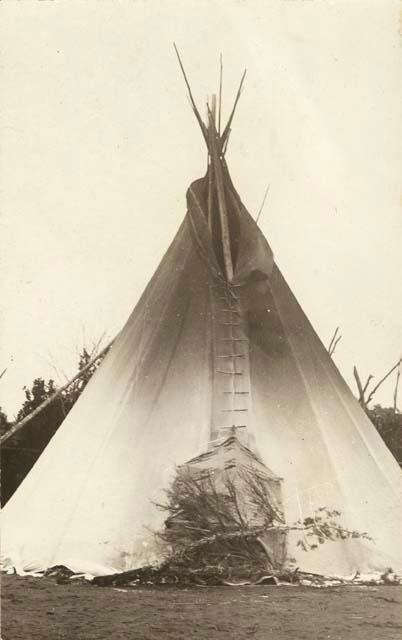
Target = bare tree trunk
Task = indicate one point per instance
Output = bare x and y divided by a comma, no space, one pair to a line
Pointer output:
334,341
383,379
359,387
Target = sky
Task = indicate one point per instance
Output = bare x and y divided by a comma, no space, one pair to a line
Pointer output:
99,146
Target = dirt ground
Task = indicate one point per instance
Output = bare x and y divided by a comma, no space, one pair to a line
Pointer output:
39,608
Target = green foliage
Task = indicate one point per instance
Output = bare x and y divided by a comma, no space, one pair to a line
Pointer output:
4,423
212,523
216,522
324,526
20,452
38,393
389,425
199,507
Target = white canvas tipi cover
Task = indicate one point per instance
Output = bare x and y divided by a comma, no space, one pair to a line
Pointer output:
200,354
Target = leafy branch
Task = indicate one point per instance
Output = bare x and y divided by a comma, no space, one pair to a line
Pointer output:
227,514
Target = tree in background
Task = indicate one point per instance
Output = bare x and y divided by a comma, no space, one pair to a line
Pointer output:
4,423
20,452
387,420
388,423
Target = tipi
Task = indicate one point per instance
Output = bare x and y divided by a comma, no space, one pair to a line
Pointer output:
216,342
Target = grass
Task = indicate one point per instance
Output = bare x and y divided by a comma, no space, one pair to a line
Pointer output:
38,608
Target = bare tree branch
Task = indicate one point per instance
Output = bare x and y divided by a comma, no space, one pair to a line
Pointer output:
359,387
370,377
97,344
19,425
378,385
223,520
334,345
398,375
364,401
334,341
